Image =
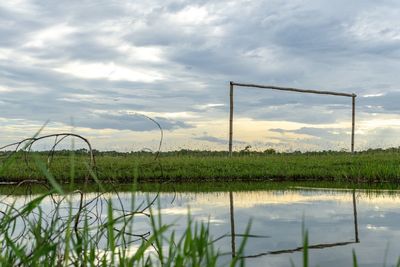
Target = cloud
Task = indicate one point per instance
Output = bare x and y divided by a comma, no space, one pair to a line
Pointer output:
381,103
217,140
278,130
124,121
164,57
212,139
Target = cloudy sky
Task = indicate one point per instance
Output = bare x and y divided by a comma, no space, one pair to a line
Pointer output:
93,67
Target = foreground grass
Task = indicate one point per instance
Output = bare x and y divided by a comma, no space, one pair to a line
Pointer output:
65,228
71,234
379,166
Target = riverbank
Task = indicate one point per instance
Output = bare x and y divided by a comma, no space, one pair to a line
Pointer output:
366,167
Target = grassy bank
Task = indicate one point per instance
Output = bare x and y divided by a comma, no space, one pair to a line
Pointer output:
376,166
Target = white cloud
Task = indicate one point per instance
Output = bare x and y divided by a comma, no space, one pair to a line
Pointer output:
4,89
193,15
23,7
209,106
110,71
144,54
373,95
379,24
53,35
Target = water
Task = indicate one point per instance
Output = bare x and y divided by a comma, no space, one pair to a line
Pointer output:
337,222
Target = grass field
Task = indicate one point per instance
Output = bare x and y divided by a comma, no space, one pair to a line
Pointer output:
366,167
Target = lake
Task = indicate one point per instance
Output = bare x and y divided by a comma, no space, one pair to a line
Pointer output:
337,221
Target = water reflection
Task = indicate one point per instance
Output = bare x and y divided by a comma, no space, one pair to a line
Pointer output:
283,251
232,217
327,216
357,240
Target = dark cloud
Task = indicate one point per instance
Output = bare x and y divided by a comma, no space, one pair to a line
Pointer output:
128,122
385,103
315,132
217,140
212,139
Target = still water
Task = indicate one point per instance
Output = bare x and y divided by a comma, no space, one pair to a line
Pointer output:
337,221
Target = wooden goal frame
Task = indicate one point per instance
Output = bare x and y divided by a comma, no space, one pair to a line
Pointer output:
289,89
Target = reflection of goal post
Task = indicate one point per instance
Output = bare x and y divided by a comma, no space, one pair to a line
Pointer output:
353,98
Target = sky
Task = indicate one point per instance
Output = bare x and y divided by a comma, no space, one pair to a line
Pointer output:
96,67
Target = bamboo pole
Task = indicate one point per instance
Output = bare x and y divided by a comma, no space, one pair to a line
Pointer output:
353,118
230,118
292,89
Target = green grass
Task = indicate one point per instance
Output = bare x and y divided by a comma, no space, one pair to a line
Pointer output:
67,232
368,167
